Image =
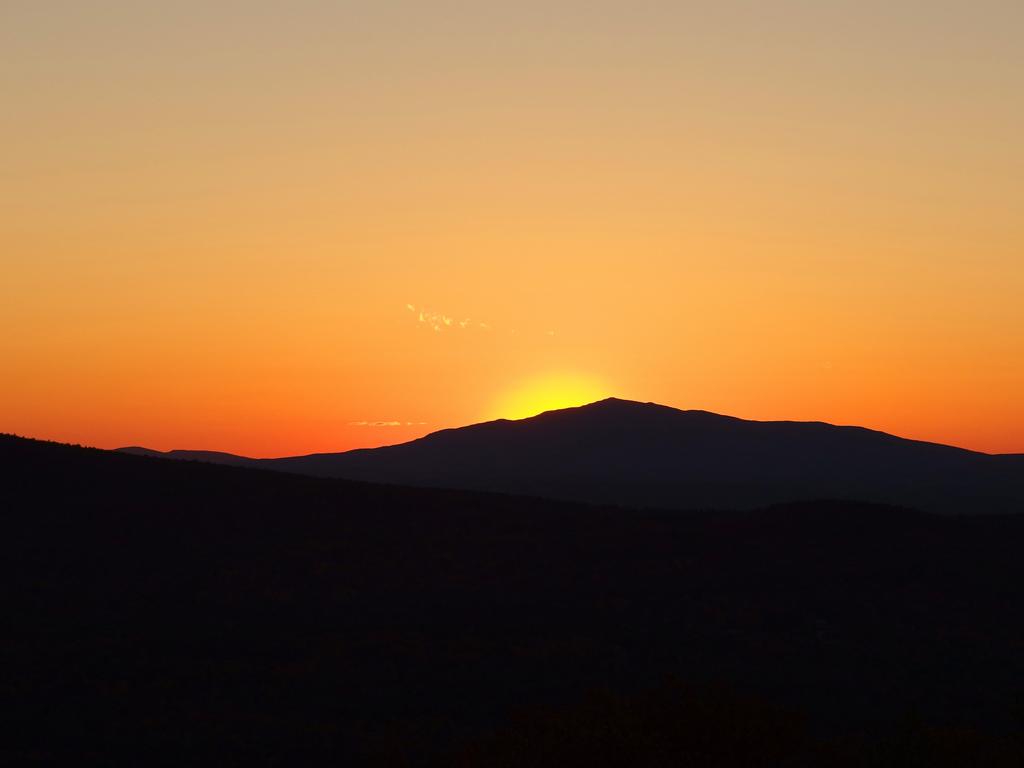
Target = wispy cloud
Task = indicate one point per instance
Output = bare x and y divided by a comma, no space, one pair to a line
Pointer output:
386,423
440,322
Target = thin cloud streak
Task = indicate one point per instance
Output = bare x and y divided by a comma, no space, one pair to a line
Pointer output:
386,423
439,322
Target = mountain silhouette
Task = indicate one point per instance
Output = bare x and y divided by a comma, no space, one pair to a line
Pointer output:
211,457
199,614
647,455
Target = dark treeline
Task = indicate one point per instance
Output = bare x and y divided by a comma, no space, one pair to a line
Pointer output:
164,612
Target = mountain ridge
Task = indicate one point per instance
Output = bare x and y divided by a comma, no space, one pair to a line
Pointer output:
189,453
256,610
639,454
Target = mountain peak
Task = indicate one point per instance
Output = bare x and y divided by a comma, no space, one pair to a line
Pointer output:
613,401
619,404
600,410
617,451
623,408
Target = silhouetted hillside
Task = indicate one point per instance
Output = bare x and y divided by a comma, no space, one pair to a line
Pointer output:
210,457
167,612
642,454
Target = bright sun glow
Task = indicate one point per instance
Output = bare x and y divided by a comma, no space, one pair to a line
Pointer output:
547,393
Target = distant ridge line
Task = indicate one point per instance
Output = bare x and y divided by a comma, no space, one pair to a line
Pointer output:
636,454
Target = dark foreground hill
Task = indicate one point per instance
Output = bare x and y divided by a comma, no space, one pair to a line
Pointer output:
179,613
648,455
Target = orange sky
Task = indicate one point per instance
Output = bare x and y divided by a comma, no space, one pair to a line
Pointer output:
215,217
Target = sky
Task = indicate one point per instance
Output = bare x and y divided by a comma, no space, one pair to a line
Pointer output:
276,228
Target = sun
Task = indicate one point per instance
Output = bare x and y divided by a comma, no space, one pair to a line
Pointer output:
547,393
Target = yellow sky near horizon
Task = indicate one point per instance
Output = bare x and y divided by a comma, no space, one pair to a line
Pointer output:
215,216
